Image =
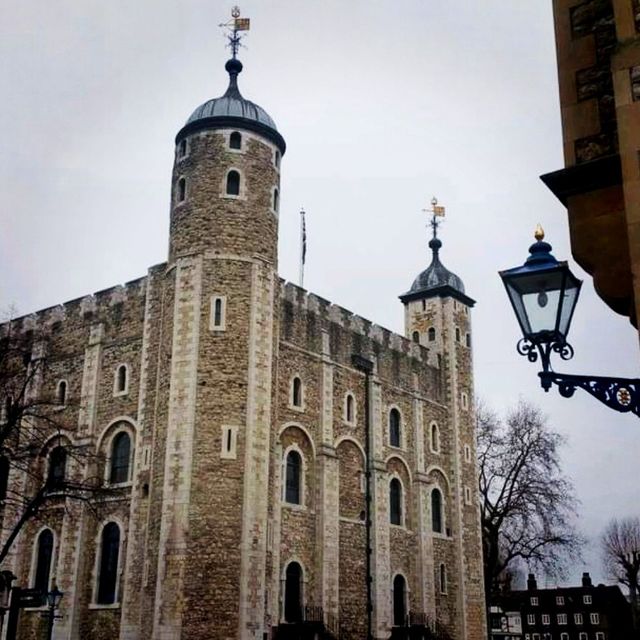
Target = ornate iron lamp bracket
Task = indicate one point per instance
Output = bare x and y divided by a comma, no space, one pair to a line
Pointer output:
621,394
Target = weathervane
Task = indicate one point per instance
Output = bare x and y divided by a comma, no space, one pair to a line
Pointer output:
436,211
235,25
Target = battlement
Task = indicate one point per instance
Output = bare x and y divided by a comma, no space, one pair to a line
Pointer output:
350,321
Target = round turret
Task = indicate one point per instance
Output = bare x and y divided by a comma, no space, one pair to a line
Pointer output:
226,179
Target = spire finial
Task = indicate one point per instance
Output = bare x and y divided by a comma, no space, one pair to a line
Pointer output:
234,26
436,211
539,233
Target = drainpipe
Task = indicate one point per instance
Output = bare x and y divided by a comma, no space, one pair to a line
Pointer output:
366,366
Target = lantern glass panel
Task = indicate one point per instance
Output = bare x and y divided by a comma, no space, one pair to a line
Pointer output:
570,298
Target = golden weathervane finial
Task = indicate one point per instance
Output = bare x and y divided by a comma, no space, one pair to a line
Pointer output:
539,233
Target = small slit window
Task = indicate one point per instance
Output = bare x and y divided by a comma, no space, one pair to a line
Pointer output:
415,336
467,339
431,334
183,148
4,476
293,479
296,392
467,453
229,442
182,189
121,381
394,428
457,334
233,183
395,502
276,200
443,578
44,556
349,409
436,511
276,159
435,438
217,321
61,393
57,467
235,140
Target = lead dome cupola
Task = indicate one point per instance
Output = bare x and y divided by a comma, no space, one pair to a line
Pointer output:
232,110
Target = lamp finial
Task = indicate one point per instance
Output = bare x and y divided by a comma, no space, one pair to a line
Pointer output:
539,233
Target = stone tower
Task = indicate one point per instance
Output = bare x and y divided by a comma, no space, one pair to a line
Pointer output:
437,316
223,271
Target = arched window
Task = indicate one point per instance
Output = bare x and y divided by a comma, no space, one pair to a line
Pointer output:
293,484
431,334
349,409
276,200
235,140
293,593
415,336
121,379
120,458
57,466
233,183
182,189
399,601
61,393
435,438
182,149
44,555
436,511
4,476
395,502
394,427
443,578
296,392
457,334
108,569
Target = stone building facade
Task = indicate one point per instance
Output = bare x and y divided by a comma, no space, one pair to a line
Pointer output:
236,430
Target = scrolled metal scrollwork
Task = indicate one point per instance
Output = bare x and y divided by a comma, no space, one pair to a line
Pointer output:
563,349
527,348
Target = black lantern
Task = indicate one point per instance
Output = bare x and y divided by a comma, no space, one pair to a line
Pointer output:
53,597
544,294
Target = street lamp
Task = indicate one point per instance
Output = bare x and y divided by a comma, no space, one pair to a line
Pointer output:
544,294
53,600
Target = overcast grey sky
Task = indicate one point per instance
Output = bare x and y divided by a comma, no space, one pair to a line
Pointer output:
383,105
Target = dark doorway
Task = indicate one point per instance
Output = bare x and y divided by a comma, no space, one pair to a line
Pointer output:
399,610
293,593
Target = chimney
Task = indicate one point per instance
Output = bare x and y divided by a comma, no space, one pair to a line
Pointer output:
532,585
586,579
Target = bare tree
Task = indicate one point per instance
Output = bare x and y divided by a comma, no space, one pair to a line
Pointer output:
621,556
39,462
527,505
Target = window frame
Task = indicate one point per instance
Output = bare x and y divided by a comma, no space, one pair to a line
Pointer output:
594,618
97,569
431,334
443,578
401,502
545,618
299,406
349,420
229,442
443,527
434,428
117,391
214,325
225,185
395,411
294,449
121,430
181,190
230,147
35,556
62,402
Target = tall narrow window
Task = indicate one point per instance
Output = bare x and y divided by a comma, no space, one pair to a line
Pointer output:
435,438
4,476
276,159
457,334
120,458
235,140
61,393
349,409
276,200
293,483
293,593
431,334
217,317
44,554
182,189
399,601
182,148
108,569
468,339
120,385
443,578
57,467
395,502
296,392
415,336
436,511
394,427
233,183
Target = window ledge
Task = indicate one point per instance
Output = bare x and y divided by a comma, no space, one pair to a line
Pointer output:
293,506
346,423
397,448
119,394
95,605
399,527
119,485
294,407
228,196
441,536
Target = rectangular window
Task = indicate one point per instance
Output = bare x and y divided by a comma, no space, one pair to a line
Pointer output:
595,618
534,602
586,599
531,618
536,636
546,618
467,453
564,636
560,601
599,635
562,618
217,320
577,618
582,636
467,495
229,443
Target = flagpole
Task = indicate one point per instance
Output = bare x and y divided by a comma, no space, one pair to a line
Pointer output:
303,246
